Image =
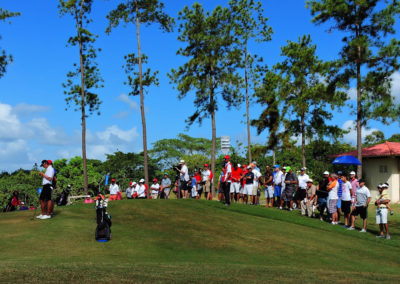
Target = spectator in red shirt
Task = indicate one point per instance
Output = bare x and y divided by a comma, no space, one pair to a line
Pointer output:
199,189
235,184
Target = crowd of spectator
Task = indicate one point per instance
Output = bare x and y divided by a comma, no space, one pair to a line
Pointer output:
335,196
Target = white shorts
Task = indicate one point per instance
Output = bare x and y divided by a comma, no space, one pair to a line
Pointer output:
235,187
255,187
269,192
194,191
248,189
381,215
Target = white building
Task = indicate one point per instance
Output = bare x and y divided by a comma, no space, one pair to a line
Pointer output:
380,164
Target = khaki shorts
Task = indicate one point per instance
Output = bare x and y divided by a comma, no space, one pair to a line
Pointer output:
255,188
207,187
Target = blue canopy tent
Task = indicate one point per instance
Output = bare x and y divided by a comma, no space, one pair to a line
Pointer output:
346,160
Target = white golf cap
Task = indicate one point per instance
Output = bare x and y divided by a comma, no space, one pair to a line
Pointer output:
182,162
309,180
352,173
326,173
254,162
238,165
134,183
142,180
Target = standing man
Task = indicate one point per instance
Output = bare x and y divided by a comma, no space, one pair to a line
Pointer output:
290,187
184,179
257,178
340,193
346,200
382,201
141,190
354,185
360,205
322,195
248,179
165,186
45,195
308,202
268,189
207,178
227,179
199,188
301,190
113,189
278,184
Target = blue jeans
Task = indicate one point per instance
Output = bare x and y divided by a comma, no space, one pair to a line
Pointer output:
321,206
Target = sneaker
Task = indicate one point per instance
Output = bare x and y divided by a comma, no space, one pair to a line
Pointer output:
45,217
387,237
290,209
321,219
39,216
350,228
380,236
344,226
391,213
334,223
363,231
280,208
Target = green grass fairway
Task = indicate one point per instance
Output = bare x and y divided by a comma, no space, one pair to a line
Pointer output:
191,241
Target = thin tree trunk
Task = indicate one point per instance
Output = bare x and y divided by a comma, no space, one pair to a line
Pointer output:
273,158
78,18
213,140
303,141
145,158
247,106
359,118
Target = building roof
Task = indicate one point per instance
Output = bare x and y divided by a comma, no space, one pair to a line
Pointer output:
381,150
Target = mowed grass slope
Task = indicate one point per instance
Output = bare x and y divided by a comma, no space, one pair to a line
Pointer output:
183,241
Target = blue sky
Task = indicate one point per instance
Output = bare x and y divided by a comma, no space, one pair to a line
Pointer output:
34,124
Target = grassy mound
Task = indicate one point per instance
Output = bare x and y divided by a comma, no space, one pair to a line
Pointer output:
192,241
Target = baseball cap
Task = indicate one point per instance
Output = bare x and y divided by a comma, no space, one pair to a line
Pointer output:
309,180
249,167
254,162
379,185
44,162
385,185
134,183
206,165
155,179
244,166
353,173
339,172
227,157
141,181
288,168
303,169
50,162
238,165
326,173
113,179
131,183
182,162
165,174
276,166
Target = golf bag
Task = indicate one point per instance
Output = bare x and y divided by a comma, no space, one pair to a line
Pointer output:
63,198
103,231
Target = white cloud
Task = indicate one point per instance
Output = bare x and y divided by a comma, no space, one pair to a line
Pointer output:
131,104
351,137
23,143
24,109
352,93
395,91
396,87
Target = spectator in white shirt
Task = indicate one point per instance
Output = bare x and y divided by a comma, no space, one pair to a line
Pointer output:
155,187
113,189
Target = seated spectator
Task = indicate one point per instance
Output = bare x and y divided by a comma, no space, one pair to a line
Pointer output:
23,207
130,190
155,188
165,187
141,191
308,202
